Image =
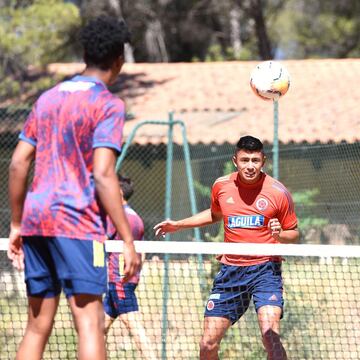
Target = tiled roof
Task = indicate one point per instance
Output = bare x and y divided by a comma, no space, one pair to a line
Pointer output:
217,105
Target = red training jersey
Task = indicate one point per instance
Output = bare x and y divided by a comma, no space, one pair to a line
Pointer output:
247,209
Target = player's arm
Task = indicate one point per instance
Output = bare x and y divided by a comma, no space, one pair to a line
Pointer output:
109,192
285,236
18,176
203,218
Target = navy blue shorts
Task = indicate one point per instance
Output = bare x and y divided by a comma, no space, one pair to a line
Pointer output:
235,286
53,264
120,299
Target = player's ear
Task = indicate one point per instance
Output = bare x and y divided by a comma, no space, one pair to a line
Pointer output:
234,160
264,160
119,62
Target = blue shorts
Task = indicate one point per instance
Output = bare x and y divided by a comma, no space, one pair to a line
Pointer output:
120,302
53,264
235,286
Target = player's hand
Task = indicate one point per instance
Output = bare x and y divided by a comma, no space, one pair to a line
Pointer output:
166,226
15,251
131,260
275,228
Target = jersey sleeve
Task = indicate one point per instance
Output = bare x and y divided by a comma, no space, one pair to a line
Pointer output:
215,205
286,213
109,130
28,134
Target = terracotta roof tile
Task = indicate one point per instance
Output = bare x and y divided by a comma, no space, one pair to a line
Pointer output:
322,105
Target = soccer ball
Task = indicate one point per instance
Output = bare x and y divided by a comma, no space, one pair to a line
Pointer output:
270,80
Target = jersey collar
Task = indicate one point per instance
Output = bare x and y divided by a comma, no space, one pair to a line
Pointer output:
88,78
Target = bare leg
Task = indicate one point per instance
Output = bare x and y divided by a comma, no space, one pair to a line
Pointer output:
269,323
41,313
108,322
88,314
132,321
214,330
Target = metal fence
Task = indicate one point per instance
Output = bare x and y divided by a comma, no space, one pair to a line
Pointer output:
323,178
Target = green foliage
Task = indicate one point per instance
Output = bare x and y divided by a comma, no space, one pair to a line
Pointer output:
318,29
205,191
31,37
216,53
305,200
37,34
9,88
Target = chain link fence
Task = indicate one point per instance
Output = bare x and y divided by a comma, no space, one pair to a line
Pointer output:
323,178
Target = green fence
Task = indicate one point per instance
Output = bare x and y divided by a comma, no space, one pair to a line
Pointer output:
323,178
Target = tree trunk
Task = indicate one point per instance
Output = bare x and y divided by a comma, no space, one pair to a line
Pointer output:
264,44
235,32
155,42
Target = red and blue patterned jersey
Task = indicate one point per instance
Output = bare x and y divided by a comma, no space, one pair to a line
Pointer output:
66,124
115,259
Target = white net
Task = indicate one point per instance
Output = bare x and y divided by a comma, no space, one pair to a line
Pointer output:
321,314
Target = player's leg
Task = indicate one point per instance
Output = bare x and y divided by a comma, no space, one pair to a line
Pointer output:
228,301
41,313
88,314
269,323
214,330
268,300
121,301
108,322
82,270
133,322
110,307
43,291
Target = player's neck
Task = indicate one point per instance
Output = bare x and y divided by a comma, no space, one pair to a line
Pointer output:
104,75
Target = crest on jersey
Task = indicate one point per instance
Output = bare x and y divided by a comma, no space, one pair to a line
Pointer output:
210,305
261,204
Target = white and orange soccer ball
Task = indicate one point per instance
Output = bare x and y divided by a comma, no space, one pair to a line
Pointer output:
270,80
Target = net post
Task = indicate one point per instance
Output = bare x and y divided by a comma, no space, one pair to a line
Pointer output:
276,141
126,146
169,163
192,199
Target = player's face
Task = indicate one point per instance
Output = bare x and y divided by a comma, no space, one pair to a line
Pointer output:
249,164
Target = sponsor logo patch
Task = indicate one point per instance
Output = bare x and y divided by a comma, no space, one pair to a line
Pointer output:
210,305
246,221
214,296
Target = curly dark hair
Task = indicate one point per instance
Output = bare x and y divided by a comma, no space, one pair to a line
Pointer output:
103,40
126,186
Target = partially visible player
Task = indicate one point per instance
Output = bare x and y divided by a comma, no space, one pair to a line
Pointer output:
74,135
255,208
120,300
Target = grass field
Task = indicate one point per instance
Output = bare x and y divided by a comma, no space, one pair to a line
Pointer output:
321,318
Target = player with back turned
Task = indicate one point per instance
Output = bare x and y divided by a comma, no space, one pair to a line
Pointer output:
120,300
57,230
254,208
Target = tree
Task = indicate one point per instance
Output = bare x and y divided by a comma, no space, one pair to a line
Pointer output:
319,29
32,36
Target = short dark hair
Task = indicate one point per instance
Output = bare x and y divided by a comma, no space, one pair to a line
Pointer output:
103,40
249,143
126,186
